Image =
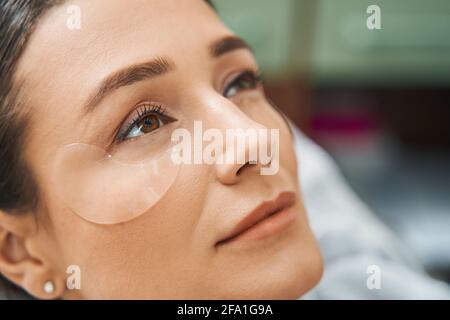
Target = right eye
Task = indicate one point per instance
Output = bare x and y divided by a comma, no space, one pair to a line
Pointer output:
248,80
148,119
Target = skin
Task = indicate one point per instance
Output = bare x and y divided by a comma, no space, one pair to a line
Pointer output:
169,251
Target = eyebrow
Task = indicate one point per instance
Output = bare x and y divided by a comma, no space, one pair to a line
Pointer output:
128,76
228,44
156,67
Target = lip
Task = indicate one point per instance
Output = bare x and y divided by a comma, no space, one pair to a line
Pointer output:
268,218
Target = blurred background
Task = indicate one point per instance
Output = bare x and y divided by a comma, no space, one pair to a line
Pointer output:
377,100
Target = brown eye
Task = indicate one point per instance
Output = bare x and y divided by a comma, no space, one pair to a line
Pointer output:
149,119
148,123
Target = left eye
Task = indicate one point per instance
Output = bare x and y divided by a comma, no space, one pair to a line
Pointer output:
246,81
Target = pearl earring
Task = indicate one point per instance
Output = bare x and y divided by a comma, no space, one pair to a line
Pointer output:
49,287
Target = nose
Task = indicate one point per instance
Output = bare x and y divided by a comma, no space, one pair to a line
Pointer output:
241,146
231,173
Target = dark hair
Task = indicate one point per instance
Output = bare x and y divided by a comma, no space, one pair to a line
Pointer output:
18,18
18,190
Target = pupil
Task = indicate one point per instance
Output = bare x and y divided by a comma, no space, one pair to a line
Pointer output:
148,124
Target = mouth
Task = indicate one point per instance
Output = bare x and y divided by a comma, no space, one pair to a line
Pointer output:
269,218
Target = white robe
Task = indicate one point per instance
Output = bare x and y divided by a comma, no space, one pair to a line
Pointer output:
352,239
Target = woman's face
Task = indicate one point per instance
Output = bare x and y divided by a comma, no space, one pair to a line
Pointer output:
174,248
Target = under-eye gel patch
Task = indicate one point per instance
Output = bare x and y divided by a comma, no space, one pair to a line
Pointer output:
110,189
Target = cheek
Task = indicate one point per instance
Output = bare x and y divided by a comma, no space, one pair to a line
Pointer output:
160,241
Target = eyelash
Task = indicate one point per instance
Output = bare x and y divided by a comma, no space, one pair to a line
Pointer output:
143,111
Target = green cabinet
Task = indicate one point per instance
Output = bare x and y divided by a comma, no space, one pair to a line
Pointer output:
329,39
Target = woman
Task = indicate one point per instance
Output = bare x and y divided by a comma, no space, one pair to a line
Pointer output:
81,101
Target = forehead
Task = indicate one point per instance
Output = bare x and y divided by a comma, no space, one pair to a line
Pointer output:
61,62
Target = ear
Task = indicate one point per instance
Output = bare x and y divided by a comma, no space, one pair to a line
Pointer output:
21,260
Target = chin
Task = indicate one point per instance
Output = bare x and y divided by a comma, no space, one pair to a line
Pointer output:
292,285
276,282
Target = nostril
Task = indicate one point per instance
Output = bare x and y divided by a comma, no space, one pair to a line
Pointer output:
248,164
